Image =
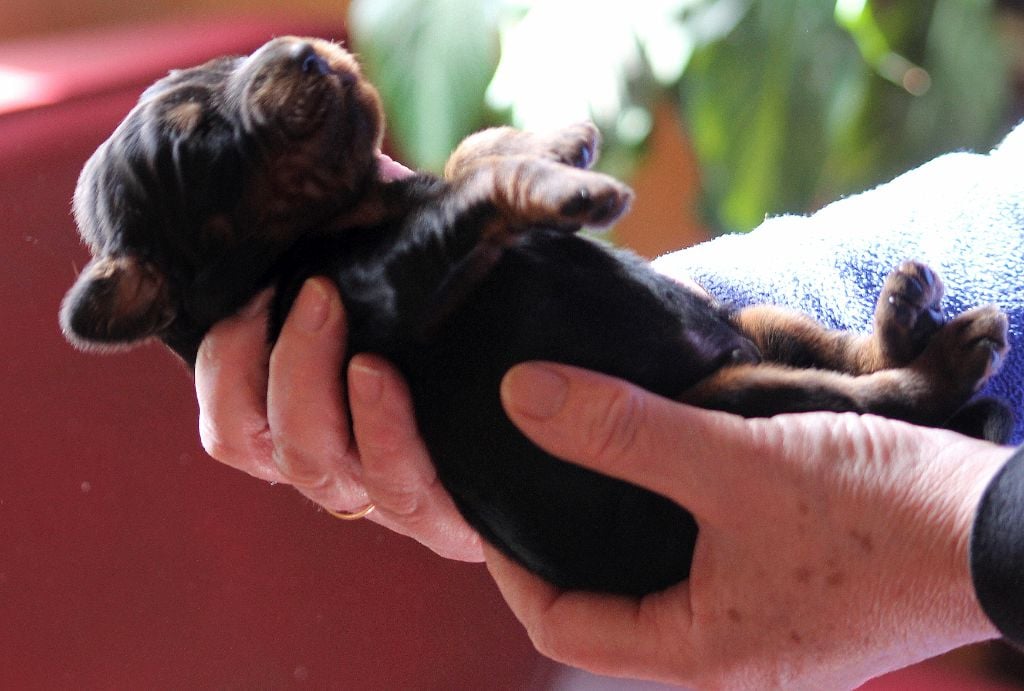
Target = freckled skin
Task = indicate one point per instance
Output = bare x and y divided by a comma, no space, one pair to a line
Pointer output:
863,540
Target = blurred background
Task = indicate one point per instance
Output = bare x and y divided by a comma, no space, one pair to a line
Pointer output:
128,559
779,106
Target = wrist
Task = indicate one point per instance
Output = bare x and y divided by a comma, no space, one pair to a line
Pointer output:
948,498
905,507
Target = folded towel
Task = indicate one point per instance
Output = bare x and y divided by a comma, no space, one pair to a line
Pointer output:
962,214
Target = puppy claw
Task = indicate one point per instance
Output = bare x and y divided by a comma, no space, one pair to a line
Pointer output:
596,205
910,315
577,204
576,145
585,158
996,359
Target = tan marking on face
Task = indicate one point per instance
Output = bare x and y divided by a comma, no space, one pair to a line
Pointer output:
184,117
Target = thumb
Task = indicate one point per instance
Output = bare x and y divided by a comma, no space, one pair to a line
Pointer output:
613,427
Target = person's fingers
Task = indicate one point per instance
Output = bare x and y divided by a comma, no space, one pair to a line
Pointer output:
305,403
621,430
396,467
231,384
602,633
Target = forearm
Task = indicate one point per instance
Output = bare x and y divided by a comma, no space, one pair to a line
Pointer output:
997,550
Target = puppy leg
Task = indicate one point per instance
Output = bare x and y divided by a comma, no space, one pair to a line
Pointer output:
908,313
792,338
537,178
576,145
766,389
537,192
521,193
526,195
955,363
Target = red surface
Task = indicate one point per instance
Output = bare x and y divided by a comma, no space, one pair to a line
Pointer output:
128,559
56,69
937,676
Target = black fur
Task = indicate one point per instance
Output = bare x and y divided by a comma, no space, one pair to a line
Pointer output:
554,296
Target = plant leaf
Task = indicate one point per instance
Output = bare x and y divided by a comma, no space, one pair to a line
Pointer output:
803,103
756,106
431,61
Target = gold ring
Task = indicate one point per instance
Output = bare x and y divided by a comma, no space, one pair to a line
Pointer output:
353,515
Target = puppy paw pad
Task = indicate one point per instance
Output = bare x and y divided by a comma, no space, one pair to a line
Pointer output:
909,311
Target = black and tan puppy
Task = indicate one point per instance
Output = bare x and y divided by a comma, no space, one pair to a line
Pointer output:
257,171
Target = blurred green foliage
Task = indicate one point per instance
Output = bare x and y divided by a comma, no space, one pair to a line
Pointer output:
788,103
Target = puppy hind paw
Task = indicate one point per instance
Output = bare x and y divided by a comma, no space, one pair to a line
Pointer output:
908,312
977,344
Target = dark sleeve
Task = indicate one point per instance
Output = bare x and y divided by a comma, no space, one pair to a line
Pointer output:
997,550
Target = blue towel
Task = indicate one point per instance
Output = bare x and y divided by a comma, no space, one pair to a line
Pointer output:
961,213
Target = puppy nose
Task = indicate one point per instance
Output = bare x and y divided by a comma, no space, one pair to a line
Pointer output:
308,60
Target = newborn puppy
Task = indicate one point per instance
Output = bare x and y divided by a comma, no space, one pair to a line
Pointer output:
254,171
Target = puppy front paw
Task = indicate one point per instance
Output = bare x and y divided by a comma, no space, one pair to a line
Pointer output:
538,179
539,192
576,145
908,313
591,199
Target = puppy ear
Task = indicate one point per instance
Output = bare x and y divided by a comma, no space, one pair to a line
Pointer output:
116,301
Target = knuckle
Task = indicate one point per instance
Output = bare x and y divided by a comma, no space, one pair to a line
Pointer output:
213,441
555,641
217,449
230,436
298,469
613,430
549,644
401,501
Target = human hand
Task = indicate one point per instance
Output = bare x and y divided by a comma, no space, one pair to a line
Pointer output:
279,414
832,548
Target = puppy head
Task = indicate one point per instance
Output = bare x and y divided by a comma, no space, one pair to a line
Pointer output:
213,174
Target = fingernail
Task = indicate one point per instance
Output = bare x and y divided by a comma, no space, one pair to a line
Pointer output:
534,390
365,383
311,307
